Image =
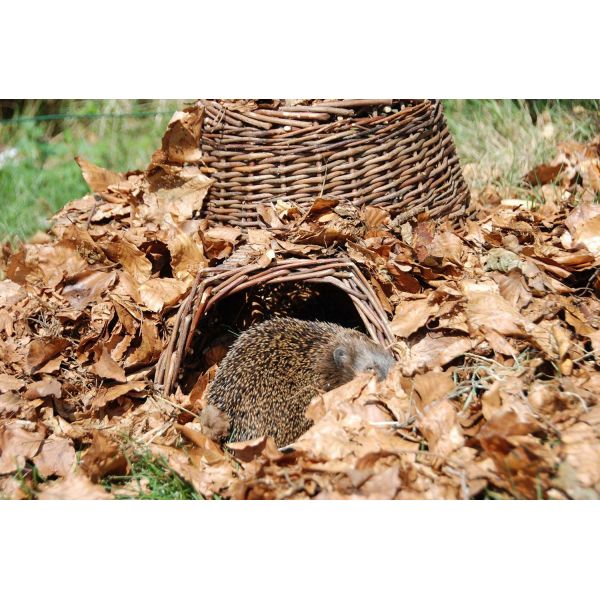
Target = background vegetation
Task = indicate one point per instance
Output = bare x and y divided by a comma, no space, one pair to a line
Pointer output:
43,176
497,140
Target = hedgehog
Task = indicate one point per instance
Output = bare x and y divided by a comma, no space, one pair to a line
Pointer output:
272,371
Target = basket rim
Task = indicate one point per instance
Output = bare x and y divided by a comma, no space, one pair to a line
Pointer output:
229,118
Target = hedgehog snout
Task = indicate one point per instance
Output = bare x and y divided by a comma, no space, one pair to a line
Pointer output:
376,360
383,364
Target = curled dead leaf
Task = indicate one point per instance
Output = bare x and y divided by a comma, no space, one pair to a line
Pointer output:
106,395
181,141
43,389
134,261
187,257
8,383
56,457
179,196
106,368
10,293
97,178
75,487
251,449
17,445
436,351
148,349
439,424
543,174
41,350
104,457
159,293
87,286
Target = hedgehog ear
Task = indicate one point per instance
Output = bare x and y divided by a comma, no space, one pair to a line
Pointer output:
340,356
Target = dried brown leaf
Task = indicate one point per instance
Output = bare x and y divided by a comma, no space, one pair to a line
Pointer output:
46,265
436,351
269,216
439,424
104,457
87,286
251,449
492,312
7,322
106,368
149,348
181,141
212,451
56,457
17,445
8,383
580,475
14,405
402,279
207,479
43,389
411,316
97,178
159,293
448,246
514,289
180,200
543,174
587,233
106,395
374,217
75,487
41,350
134,261
423,235
322,205
432,386
10,293
187,257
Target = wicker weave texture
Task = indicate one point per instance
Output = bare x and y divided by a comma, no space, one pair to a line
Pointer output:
393,154
216,283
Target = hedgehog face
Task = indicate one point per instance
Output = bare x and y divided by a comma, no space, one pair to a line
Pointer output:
361,357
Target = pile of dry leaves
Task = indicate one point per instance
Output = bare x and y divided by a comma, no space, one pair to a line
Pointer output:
498,325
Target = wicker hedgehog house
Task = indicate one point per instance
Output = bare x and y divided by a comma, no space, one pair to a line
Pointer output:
392,154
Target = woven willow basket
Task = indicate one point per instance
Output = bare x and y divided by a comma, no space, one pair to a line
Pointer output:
395,154
214,284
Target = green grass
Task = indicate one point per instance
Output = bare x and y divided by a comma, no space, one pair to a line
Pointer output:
44,176
498,142
150,478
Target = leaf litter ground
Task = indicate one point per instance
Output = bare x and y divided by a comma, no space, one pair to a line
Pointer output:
497,326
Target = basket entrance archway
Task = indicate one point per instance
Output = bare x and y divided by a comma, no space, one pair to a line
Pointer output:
216,284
